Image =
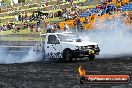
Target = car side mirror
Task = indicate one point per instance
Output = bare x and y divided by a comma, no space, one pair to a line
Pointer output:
78,40
57,42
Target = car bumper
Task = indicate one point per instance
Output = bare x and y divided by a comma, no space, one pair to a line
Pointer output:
85,53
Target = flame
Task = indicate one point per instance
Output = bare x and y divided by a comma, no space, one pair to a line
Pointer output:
81,71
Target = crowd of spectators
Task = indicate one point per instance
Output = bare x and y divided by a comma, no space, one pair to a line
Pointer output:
37,21
27,22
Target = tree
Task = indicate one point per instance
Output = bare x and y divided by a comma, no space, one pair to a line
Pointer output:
21,1
6,1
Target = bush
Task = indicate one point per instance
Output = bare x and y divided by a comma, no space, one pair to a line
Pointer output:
23,7
19,1
34,5
6,1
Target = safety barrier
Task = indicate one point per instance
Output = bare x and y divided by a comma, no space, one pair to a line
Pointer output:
85,14
93,10
126,7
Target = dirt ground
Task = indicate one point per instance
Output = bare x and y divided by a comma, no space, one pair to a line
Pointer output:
62,75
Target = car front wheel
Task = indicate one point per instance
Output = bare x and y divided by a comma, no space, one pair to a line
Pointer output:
91,58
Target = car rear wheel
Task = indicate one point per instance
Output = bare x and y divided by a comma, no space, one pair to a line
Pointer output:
67,55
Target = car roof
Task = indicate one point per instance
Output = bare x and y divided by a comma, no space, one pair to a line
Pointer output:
58,33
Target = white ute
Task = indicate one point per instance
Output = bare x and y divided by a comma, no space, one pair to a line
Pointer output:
67,45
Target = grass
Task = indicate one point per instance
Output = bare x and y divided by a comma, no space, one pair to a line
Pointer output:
27,31
43,7
55,19
28,14
22,31
20,38
51,11
35,8
33,22
48,20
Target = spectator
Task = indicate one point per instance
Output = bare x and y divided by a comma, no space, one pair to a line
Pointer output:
49,28
36,27
38,30
25,16
44,24
39,21
87,20
31,28
52,27
46,4
43,17
0,28
13,27
22,18
33,16
19,16
65,27
17,29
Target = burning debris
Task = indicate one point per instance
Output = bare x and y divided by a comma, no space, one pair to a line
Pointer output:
82,73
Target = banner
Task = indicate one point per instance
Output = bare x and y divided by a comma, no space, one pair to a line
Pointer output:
84,14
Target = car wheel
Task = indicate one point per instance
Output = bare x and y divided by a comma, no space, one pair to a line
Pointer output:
91,58
67,55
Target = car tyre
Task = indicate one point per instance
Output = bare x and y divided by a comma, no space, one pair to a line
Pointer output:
67,55
92,57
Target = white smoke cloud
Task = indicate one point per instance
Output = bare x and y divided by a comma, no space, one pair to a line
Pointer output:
8,56
113,37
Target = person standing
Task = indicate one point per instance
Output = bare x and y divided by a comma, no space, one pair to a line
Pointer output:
31,28
66,27
22,18
48,29
19,16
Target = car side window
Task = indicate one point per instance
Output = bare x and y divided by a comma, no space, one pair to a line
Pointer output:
52,39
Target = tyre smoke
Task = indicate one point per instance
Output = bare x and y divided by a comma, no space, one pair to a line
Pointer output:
19,55
113,36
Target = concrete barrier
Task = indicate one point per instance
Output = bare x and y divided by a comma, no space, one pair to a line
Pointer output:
21,35
18,43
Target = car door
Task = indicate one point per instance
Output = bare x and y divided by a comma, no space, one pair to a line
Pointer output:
53,47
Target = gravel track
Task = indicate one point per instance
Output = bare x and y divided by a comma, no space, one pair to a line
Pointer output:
60,74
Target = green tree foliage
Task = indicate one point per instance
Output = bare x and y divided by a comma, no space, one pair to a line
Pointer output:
6,1
19,1
28,0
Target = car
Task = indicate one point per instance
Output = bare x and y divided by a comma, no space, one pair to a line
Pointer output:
67,45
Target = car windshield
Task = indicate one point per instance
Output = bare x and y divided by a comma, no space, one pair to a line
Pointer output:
69,37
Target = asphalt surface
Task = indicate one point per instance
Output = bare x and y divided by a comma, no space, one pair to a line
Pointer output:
44,74
61,74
